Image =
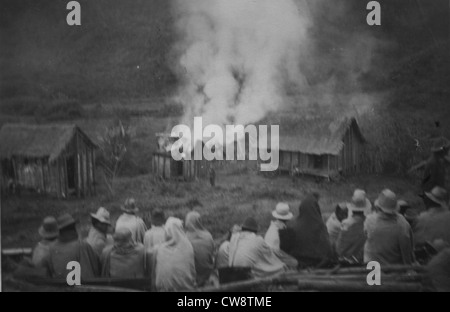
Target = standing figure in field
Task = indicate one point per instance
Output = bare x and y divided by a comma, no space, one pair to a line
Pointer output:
173,260
69,247
311,245
389,235
98,236
212,176
249,250
157,234
203,244
49,233
131,221
125,259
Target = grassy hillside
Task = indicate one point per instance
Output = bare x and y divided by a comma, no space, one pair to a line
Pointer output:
120,50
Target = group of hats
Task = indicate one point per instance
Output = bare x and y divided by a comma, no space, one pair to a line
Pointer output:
51,226
386,202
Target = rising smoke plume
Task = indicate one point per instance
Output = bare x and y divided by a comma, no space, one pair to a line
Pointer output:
239,60
237,56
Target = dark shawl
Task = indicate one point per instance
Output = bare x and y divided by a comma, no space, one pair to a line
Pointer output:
307,236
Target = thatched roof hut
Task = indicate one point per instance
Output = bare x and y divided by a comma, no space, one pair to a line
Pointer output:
321,146
58,159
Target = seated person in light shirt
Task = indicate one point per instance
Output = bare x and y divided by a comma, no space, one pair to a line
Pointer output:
157,234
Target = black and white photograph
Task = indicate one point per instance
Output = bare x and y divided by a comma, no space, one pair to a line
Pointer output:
254,147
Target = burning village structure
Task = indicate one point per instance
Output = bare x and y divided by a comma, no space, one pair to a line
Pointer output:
164,166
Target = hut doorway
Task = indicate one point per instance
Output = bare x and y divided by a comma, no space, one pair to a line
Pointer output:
70,162
318,162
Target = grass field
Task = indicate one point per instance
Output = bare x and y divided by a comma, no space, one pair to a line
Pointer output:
236,196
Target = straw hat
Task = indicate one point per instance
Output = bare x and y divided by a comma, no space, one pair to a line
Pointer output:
282,212
102,215
130,206
438,195
49,228
359,201
387,202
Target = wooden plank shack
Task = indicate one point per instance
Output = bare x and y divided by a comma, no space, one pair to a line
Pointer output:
51,159
321,147
165,167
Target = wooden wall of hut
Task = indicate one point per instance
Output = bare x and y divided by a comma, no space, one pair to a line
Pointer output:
71,174
349,161
350,157
164,166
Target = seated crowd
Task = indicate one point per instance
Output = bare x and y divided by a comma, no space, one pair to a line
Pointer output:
177,254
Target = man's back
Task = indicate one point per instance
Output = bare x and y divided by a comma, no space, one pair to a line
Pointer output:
63,252
352,238
129,264
389,239
154,237
432,225
249,250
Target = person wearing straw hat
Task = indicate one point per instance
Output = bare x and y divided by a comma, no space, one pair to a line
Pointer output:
48,232
249,250
434,224
389,235
278,226
435,168
131,221
351,239
69,247
359,202
281,215
98,236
